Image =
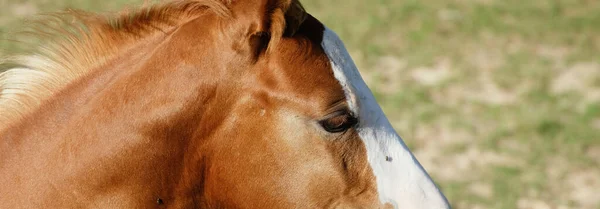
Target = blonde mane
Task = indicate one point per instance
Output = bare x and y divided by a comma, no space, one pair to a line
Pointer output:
77,42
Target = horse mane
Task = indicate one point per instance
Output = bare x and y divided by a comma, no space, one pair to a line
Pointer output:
76,42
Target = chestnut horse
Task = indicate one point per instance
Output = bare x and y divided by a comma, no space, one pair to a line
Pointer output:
199,104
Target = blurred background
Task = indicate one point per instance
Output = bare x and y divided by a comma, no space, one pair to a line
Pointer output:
498,99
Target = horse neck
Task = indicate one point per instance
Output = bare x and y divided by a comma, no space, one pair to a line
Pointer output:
146,84
143,110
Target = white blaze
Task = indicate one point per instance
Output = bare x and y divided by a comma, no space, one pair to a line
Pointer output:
401,180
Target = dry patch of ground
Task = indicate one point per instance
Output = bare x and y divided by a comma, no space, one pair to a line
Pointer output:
454,153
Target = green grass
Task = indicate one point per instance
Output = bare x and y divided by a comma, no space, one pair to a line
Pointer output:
503,91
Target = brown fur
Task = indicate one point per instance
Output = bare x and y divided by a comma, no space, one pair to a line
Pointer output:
199,109
77,42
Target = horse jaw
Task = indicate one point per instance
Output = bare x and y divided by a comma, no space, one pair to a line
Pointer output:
401,180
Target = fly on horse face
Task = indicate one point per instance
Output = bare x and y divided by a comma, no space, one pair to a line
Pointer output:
199,104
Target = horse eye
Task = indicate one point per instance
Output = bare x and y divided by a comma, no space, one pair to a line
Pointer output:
339,123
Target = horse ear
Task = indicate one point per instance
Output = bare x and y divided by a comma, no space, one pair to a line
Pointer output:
265,22
294,17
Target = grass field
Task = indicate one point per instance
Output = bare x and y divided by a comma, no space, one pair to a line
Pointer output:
499,99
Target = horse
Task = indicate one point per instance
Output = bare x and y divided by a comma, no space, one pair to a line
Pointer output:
199,104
